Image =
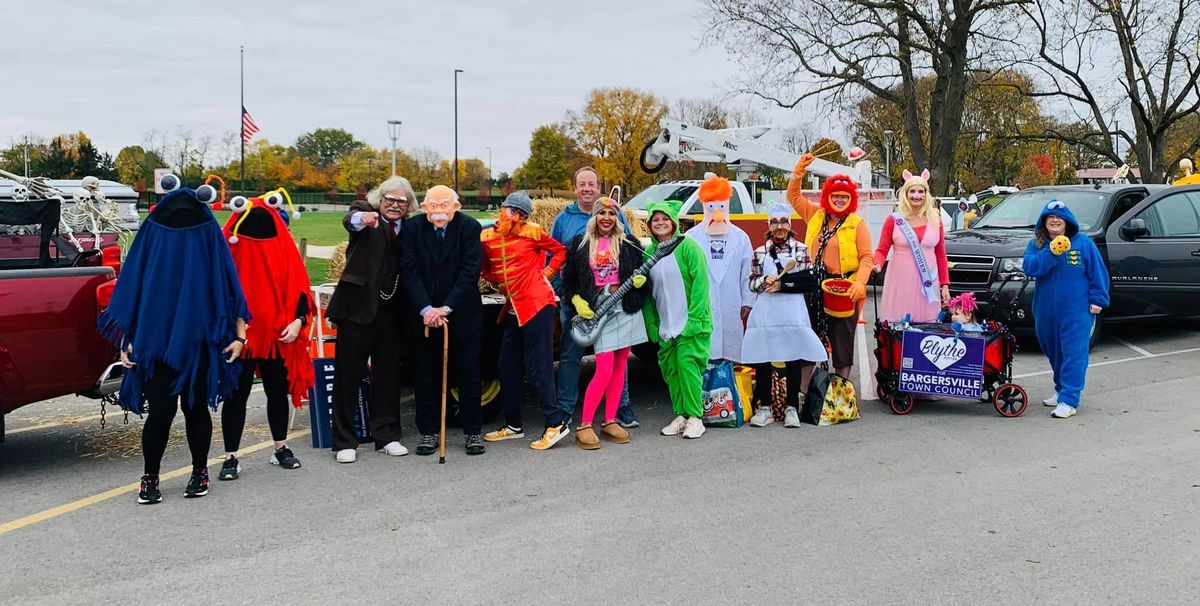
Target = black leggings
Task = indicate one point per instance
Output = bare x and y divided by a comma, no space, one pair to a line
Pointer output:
275,385
156,431
762,382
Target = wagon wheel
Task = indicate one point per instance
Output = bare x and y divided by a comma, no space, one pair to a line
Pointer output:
900,403
1010,400
881,392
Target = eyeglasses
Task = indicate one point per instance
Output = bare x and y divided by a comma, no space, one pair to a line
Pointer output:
780,222
394,200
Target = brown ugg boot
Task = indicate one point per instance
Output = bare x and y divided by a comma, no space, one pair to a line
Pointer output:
586,438
615,432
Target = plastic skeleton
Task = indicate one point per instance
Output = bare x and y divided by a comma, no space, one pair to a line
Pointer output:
39,188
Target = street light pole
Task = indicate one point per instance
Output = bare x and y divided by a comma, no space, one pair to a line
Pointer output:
394,133
489,148
456,73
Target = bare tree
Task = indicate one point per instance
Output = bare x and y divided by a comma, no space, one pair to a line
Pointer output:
843,50
1113,60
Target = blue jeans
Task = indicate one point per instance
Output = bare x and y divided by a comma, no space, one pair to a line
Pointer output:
570,361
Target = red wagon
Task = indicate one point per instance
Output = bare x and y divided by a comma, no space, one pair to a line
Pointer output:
1008,398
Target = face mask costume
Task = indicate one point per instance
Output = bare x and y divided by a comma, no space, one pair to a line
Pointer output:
439,205
777,213
275,283
715,193
178,299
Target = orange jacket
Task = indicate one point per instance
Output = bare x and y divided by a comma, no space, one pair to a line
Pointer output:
517,265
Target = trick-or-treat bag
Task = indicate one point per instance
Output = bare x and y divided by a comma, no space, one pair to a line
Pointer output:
830,399
722,402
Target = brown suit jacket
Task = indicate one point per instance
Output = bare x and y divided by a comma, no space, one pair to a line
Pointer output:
356,298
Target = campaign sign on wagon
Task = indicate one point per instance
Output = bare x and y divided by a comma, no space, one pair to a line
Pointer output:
944,365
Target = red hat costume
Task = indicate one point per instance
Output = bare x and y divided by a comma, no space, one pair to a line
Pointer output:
273,279
843,184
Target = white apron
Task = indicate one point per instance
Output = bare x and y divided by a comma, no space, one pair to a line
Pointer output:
778,329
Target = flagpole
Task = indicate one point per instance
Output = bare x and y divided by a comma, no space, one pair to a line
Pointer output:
242,117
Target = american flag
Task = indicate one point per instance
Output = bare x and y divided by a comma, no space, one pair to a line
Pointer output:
248,126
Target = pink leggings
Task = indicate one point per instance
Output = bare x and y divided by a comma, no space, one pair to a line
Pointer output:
608,383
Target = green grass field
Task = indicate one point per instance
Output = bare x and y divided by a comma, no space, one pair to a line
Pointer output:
322,229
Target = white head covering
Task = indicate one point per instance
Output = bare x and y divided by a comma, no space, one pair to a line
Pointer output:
779,210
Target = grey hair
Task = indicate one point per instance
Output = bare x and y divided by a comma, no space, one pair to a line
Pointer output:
393,183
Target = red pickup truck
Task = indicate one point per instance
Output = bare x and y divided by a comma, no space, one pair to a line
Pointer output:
50,296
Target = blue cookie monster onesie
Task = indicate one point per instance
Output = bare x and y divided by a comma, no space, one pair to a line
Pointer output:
1067,284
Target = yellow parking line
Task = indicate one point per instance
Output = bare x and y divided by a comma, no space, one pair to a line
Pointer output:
54,512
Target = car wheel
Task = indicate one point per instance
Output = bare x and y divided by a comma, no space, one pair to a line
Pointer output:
1097,326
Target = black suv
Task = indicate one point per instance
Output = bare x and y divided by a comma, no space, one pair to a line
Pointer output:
1148,235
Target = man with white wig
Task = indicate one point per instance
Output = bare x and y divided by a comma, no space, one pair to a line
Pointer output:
370,309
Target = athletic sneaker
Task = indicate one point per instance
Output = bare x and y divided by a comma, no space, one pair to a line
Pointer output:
762,417
626,418
347,455
149,493
1063,411
550,437
675,426
229,469
508,432
1051,401
791,418
475,445
284,458
198,485
428,445
694,428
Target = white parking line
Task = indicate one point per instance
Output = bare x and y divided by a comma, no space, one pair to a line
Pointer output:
1119,361
1145,354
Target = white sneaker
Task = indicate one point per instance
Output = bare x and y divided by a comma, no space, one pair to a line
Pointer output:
762,417
1051,401
347,455
394,449
674,427
1063,411
791,418
694,428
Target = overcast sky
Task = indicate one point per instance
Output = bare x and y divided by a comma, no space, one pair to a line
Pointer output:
117,69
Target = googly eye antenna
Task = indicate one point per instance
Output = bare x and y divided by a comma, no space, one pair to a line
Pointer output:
220,200
239,204
1055,205
206,194
273,199
281,191
169,183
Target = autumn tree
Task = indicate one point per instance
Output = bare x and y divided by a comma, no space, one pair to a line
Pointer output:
1152,84
843,50
612,127
547,166
367,167
324,146
472,173
136,165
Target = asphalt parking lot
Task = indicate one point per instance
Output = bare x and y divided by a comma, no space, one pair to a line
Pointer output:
951,504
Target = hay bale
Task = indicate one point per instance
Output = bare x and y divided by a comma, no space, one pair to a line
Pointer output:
546,209
337,262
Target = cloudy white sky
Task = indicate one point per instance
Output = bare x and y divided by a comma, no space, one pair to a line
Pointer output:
119,68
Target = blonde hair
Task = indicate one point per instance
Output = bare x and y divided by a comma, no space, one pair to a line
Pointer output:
932,214
592,235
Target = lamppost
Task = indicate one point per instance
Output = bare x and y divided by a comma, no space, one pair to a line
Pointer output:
456,73
394,133
888,137
489,148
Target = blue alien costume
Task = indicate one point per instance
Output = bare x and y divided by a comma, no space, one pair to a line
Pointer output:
177,302
1067,283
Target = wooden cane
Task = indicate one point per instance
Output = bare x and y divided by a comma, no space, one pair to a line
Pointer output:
445,368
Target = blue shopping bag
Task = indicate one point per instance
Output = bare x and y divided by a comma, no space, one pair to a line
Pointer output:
320,407
719,392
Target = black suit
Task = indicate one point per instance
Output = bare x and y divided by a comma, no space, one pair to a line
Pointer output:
444,271
373,319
